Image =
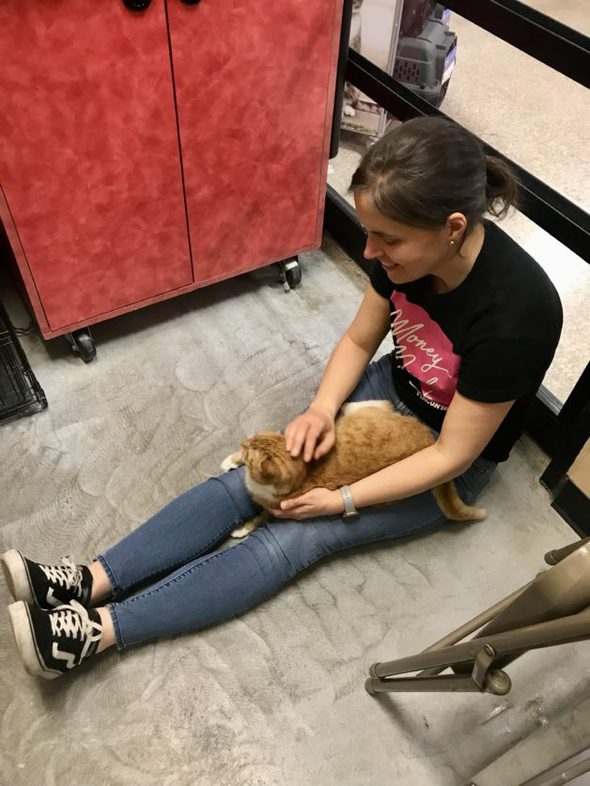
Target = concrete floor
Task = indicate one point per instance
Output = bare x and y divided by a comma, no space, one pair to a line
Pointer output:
277,696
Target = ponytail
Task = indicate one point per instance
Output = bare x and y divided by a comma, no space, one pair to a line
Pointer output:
502,188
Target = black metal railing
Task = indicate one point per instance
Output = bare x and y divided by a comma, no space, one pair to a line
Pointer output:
547,40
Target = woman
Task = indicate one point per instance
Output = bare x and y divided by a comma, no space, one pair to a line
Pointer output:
475,323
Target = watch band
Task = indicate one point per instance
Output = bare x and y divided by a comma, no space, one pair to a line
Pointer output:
349,508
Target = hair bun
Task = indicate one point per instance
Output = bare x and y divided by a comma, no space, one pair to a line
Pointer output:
502,188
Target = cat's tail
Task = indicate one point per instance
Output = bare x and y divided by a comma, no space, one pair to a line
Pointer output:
453,506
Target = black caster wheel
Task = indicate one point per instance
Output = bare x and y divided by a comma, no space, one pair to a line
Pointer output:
82,344
290,273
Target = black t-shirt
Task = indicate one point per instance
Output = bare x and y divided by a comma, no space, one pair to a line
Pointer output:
492,338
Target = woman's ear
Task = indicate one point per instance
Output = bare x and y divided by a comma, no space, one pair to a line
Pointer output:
455,226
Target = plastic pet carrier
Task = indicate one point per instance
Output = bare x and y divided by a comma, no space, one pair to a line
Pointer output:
20,393
427,50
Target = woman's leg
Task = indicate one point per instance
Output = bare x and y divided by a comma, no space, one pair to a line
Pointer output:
223,585
188,526
192,524
54,632
216,587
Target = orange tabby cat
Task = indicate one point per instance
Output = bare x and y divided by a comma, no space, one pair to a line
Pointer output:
370,435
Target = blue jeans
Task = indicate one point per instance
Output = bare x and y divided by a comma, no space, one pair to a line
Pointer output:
193,585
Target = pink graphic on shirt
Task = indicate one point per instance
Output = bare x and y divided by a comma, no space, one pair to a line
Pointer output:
424,351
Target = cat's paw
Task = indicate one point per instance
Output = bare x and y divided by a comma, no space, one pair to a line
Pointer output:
349,111
240,532
249,526
233,461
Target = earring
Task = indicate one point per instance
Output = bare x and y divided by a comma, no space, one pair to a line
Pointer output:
452,243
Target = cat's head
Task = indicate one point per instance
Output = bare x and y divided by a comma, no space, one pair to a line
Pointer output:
269,462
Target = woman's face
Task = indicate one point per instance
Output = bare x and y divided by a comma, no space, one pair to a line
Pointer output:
406,253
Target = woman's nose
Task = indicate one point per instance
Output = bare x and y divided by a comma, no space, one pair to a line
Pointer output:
371,249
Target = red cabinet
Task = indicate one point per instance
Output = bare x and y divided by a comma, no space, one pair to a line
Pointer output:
145,154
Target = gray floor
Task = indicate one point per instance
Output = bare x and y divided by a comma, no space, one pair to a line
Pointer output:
277,696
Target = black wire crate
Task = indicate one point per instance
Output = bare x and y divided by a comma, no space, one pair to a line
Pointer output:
20,393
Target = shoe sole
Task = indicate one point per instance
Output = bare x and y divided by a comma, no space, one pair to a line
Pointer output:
22,630
17,576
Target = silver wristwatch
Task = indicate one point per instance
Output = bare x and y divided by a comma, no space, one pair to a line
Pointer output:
349,509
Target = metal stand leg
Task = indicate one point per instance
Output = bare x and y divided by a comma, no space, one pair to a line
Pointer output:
553,609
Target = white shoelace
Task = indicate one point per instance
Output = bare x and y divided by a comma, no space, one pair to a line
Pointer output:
67,575
72,620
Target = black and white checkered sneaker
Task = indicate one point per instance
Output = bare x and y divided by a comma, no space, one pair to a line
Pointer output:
46,586
51,643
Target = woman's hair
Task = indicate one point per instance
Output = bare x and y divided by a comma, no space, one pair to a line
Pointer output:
423,170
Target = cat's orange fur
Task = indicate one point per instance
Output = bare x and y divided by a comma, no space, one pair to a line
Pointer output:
367,439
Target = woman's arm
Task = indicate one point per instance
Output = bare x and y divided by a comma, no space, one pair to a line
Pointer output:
354,351
467,428
314,430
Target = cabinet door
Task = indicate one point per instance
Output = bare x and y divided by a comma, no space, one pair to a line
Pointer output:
89,158
254,87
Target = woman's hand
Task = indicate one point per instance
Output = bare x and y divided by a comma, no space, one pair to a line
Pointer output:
315,502
313,432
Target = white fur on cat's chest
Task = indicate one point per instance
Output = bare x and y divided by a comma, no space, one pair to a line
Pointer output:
266,493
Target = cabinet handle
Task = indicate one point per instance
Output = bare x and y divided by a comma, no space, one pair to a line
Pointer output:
136,5
190,2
